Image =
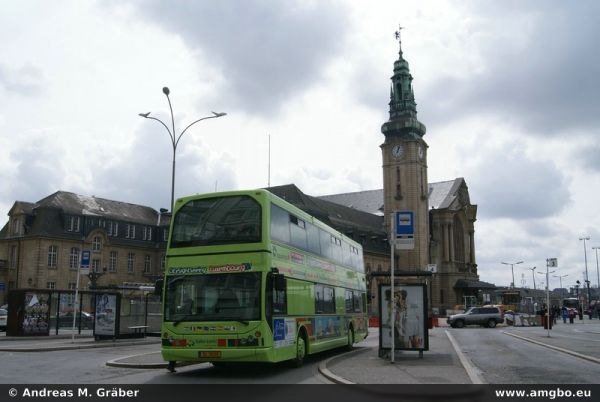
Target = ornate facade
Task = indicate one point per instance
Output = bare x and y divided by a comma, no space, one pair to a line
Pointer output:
40,246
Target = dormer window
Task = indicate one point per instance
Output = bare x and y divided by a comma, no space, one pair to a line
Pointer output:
16,227
130,232
73,223
113,228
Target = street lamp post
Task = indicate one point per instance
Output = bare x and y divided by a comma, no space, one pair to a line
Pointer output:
533,274
584,238
560,279
597,269
175,138
579,310
550,262
512,264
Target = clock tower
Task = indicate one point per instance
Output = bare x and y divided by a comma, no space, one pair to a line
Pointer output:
404,155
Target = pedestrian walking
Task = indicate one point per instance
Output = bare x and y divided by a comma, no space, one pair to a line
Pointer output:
564,314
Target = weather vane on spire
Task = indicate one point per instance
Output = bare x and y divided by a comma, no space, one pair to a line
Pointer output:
397,33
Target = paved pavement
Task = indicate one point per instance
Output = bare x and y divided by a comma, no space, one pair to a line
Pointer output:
441,364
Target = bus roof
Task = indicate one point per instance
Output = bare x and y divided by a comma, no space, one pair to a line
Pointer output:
267,195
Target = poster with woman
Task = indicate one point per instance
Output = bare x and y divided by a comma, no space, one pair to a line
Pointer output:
410,320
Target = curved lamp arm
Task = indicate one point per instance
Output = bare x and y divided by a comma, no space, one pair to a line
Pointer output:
146,116
197,121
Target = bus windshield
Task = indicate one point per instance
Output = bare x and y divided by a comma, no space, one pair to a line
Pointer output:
571,303
217,221
214,297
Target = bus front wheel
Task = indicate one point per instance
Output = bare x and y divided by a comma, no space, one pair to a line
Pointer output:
300,350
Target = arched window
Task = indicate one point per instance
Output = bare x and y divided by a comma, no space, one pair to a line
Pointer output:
74,258
96,243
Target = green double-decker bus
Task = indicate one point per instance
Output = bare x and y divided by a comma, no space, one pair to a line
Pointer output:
251,278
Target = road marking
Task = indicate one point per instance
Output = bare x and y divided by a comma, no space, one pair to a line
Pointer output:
567,351
472,371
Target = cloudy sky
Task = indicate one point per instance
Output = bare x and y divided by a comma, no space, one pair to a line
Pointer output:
508,92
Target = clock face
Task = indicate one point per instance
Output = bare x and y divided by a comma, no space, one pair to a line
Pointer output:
421,152
397,151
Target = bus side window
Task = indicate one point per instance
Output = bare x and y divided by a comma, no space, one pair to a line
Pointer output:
324,299
276,294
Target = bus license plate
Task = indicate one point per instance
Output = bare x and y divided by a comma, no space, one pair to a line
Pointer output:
211,354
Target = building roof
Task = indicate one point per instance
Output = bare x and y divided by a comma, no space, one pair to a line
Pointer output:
77,204
473,284
21,207
370,201
441,195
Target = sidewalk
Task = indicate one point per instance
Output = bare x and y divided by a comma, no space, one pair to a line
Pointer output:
65,342
439,365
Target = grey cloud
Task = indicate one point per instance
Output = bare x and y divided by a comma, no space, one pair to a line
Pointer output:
589,157
547,88
511,186
142,173
37,171
26,80
268,51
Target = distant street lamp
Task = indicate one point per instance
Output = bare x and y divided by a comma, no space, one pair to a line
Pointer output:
512,264
560,279
175,138
93,276
533,275
597,269
587,279
547,278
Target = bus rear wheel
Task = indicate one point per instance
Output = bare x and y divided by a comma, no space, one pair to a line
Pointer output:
350,338
300,350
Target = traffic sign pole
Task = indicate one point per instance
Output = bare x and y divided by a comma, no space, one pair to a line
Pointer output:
392,301
83,262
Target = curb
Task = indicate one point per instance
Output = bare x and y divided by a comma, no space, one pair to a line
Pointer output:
163,365
334,377
119,363
75,346
558,349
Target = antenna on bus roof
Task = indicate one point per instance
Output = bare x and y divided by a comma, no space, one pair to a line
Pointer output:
269,165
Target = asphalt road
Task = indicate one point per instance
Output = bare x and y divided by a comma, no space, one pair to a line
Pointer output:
88,366
503,359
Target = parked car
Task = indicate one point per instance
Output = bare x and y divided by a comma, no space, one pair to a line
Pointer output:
3,319
509,316
485,316
66,320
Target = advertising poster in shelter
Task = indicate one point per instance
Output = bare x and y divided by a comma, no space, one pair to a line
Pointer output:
106,314
35,314
410,321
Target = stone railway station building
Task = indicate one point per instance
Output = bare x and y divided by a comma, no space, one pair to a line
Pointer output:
40,244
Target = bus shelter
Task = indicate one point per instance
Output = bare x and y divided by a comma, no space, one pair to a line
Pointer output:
102,313
412,320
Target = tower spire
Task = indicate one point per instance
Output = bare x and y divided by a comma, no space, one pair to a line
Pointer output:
399,39
403,108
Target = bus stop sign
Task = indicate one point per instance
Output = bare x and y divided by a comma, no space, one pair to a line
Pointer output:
85,259
404,228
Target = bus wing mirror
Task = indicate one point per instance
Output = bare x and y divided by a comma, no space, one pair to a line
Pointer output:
158,287
279,282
